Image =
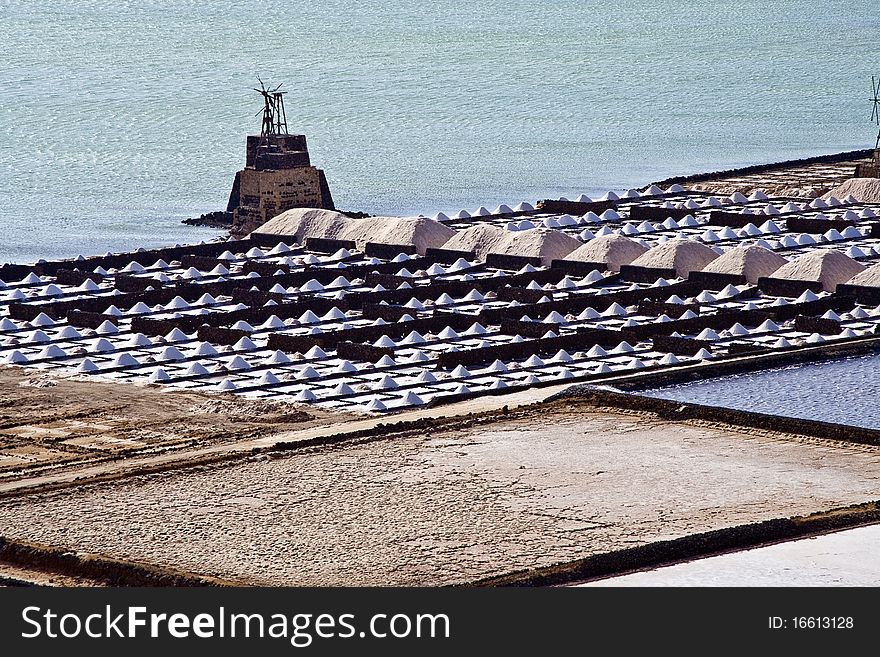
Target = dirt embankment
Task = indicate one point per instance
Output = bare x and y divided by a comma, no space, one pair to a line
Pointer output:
806,178
46,421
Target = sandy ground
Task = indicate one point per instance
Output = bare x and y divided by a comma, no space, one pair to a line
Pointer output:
18,576
450,506
801,180
46,421
847,558
41,417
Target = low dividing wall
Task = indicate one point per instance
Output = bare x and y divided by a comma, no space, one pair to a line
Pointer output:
642,380
678,411
111,572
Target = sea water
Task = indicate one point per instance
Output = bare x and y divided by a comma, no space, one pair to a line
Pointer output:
120,118
843,391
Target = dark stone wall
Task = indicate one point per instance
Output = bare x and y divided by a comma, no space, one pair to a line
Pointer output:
277,176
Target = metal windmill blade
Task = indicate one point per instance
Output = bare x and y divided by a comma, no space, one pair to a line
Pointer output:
875,112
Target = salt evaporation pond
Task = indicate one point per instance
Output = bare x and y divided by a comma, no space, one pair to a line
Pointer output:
845,558
842,391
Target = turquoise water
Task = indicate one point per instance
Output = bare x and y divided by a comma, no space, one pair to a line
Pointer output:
844,391
119,118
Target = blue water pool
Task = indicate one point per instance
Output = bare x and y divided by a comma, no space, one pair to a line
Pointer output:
843,391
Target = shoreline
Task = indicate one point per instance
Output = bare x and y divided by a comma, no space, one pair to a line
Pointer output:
703,181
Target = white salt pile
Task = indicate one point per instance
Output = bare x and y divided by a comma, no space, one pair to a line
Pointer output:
867,190
613,250
752,261
302,223
869,277
544,243
828,267
683,255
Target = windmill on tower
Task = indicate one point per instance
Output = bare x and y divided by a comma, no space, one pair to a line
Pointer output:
875,112
274,117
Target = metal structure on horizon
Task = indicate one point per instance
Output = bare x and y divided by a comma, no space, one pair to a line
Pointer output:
274,117
875,112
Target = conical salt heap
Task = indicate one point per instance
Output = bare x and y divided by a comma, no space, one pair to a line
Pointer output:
545,243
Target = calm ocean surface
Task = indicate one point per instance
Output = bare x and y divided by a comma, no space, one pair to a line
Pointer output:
844,391
118,119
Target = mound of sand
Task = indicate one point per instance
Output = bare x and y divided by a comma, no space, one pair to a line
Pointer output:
682,255
829,267
867,190
482,239
869,277
753,262
421,232
545,243
303,223
613,250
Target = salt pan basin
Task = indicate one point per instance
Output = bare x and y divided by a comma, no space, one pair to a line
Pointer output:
842,391
847,558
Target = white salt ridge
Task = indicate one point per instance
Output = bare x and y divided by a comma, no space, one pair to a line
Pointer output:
196,369
101,346
68,333
107,328
15,357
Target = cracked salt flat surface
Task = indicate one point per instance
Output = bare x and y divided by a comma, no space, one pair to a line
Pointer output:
453,506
